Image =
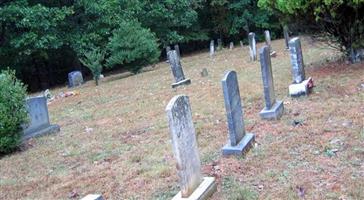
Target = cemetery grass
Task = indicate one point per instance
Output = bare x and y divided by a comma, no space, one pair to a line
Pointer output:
115,141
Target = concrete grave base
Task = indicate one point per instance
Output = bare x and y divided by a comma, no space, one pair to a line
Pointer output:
240,148
202,192
274,113
303,88
54,128
93,197
183,82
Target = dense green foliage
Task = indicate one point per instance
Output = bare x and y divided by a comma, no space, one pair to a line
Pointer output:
92,59
342,21
12,111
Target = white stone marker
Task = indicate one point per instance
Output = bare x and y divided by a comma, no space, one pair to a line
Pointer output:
93,197
252,47
193,185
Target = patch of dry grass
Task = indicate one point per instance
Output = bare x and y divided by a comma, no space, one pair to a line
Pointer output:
115,140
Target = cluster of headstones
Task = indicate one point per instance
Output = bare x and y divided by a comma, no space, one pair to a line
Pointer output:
39,123
192,184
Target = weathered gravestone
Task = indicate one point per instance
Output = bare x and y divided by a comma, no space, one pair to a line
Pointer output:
268,40
273,109
193,186
204,72
231,47
219,44
75,79
239,141
93,197
212,48
176,47
39,118
300,86
241,44
252,47
168,49
286,36
177,70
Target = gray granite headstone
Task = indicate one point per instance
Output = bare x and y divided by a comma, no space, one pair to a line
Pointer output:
286,35
231,47
268,41
212,48
39,118
177,70
75,79
219,44
239,141
176,47
273,109
298,71
252,47
168,49
184,144
241,44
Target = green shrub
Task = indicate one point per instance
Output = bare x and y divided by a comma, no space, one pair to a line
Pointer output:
13,111
133,47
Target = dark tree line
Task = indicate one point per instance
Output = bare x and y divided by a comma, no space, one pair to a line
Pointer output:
43,40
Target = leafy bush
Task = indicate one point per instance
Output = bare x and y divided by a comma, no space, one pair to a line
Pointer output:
13,111
92,60
132,46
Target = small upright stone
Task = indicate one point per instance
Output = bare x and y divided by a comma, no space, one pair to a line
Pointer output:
286,35
212,48
176,47
231,47
299,85
273,109
239,140
268,41
177,70
75,79
241,44
185,150
204,72
252,47
39,118
219,44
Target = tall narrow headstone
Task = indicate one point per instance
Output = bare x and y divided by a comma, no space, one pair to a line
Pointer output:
182,131
231,47
252,47
298,70
39,118
299,85
273,109
168,49
239,140
177,70
241,44
268,39
176,47
212,48
219,44
75,79
286,35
